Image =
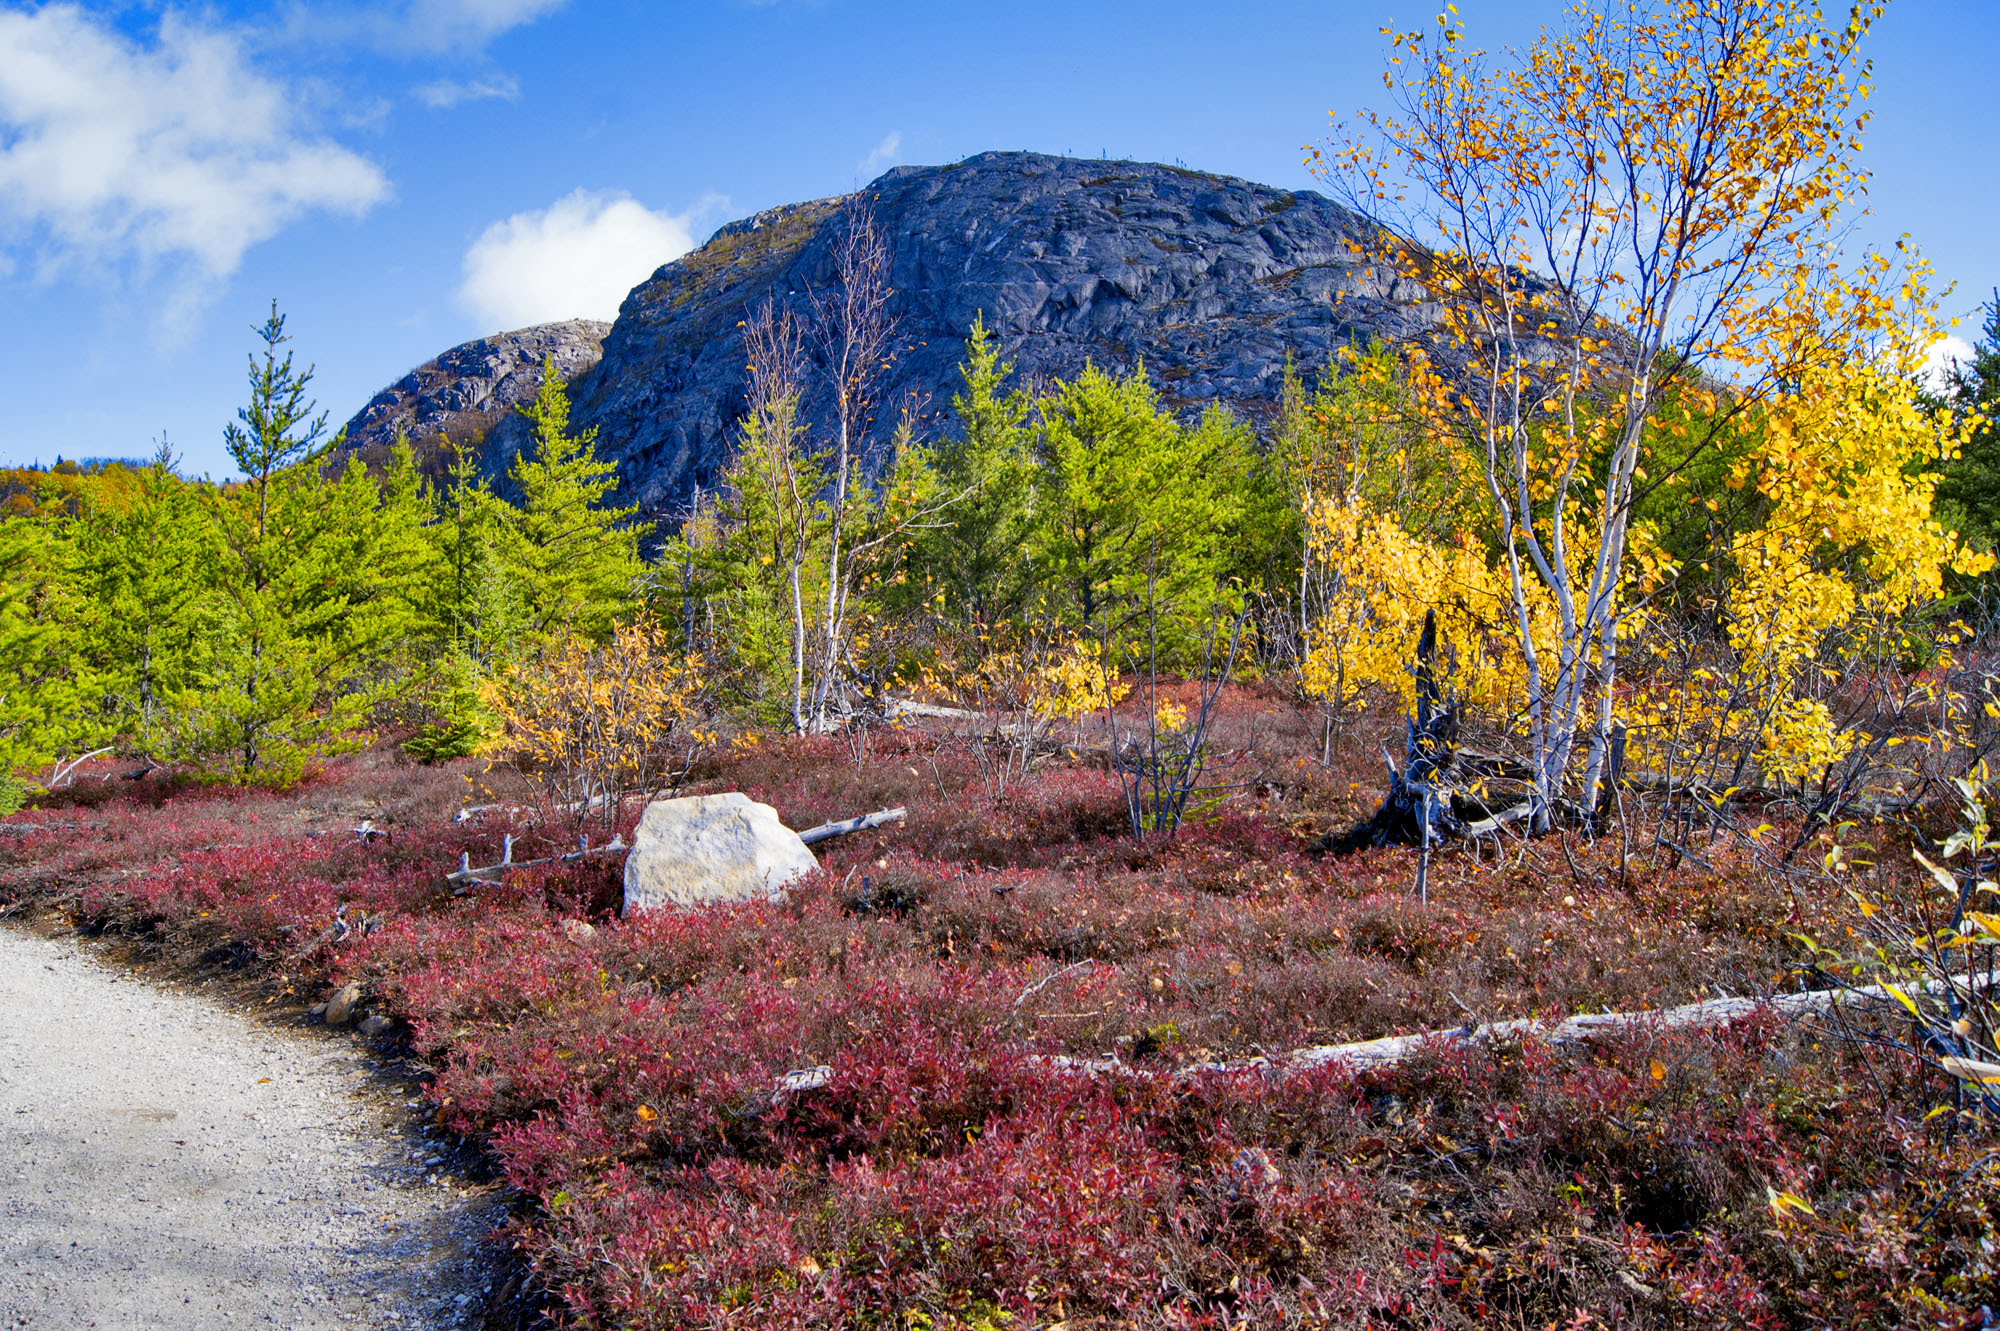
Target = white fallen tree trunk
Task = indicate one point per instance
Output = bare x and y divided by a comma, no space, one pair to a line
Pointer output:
1580,1029
1393,1049
827,831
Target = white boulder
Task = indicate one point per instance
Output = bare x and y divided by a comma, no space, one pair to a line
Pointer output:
712,849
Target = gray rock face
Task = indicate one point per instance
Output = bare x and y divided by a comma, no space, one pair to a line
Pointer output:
1208,280
466,391
709,850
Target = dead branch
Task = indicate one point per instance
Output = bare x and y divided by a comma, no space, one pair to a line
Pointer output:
895,707
1050,978
828,831
64,769
1577,1030
466,876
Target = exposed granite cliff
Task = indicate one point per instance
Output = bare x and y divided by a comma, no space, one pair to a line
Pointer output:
1207,279
465,391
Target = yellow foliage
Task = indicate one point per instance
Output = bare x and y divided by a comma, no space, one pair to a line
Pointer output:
1847,551
595,723
1381,582
1073,681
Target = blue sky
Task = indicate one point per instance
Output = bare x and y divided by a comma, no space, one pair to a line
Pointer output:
403,175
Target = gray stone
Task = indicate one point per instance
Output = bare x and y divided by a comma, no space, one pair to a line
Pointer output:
579,931
340,1007
712,849
463,394
1208,281
376,1025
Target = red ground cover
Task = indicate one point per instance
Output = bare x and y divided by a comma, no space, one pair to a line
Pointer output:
947,1173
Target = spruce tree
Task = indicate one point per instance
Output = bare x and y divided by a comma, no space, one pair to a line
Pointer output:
1968,494
471,612
990,466
39,717
146,587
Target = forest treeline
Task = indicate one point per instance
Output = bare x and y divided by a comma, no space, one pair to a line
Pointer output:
245,629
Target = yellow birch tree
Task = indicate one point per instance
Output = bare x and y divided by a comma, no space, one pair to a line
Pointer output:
1648,197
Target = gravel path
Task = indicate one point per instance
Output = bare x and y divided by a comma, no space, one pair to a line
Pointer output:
167,1163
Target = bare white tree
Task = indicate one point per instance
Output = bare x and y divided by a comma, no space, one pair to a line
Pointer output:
854,333
773,437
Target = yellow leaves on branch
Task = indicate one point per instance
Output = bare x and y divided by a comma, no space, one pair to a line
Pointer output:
1051,679
598,720
1073,681
1848,549
1382,580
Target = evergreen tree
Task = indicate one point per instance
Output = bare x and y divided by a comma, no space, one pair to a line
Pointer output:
314,587
471,613
1968,494
988,471
146,590
39,717
461,605
574,558
1135,515
759,572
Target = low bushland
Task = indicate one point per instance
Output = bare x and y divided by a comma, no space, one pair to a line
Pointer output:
949,1170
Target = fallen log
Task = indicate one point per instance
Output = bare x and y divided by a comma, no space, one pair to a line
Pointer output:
1392,1049
895,707
1572,1031
828,831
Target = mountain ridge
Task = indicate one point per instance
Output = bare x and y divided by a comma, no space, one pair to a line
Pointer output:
1208,280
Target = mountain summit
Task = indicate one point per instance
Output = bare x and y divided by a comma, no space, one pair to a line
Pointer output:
1208,280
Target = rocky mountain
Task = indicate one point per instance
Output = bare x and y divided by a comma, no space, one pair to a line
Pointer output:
464,392
1209,280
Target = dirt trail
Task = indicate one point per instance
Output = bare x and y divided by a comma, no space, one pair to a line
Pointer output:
166,1163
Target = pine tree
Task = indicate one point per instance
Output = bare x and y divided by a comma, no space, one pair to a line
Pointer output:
470,610
760,572
146,590
989,468
315,586
39,718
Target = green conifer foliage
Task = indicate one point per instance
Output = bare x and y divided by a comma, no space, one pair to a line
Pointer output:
146,589
756,551
1968,494
1134,514
39,714
987,470
313,589
470,614
574,559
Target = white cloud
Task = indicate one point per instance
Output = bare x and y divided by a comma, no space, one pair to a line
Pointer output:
1943,354
405,28
176,156
577,258
883,155
440,24
444,93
